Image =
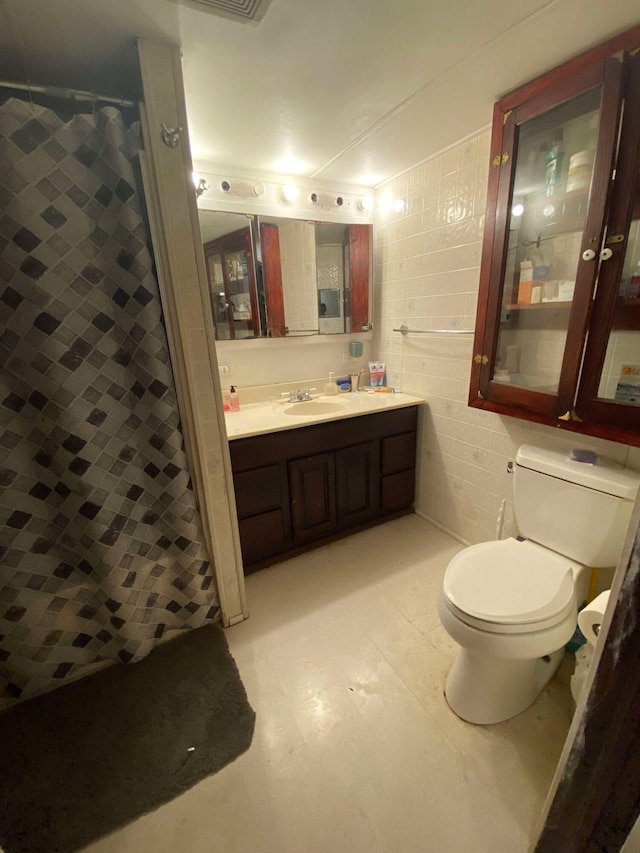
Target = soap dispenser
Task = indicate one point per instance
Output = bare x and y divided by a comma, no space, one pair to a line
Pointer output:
234,399
331,388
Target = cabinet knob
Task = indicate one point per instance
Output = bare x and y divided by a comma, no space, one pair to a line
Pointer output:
605,254
588,255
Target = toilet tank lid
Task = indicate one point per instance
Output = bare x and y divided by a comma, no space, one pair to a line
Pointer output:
604,476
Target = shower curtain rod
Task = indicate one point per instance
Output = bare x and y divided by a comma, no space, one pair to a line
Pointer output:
57,92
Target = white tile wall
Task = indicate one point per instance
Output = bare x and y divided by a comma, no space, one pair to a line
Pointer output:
262,362
427,265
330,276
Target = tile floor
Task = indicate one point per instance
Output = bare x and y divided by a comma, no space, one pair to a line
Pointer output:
355,749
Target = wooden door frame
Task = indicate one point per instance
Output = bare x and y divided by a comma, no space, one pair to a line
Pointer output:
594,799
184,291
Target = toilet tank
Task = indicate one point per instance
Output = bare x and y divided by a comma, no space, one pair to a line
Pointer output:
578,509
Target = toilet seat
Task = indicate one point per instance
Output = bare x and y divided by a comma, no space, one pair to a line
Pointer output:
509,587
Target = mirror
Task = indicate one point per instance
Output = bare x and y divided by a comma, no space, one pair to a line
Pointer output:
278,277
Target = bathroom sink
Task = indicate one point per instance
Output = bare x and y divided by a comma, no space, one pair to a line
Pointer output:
314,407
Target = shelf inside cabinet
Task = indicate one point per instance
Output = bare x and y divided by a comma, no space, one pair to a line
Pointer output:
538,306
549,217
547,315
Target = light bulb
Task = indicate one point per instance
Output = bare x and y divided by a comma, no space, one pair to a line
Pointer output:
290,192
398,205
517,209
366,203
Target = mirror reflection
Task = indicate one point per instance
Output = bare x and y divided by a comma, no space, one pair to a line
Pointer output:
275,277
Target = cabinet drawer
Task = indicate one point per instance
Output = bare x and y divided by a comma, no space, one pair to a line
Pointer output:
262,536
398,453
257,491
397,490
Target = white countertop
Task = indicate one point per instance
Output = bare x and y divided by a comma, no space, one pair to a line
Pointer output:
261,418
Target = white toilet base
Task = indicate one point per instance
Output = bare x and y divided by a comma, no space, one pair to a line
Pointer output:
482,689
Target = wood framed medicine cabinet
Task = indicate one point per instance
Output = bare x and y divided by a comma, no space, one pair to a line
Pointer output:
232,286
557,337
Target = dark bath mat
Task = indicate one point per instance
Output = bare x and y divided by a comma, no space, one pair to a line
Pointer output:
93,755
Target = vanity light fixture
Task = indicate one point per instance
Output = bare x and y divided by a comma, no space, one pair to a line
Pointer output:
517,209
366,203
290,192
326,199
398,205
242,188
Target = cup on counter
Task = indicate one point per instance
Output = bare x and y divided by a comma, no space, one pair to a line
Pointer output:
355,379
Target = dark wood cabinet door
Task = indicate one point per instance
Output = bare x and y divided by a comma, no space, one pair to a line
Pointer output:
543,235
313,497
272,291
358,483
359,266
232,285
609,391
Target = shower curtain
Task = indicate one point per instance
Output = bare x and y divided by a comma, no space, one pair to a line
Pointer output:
101,545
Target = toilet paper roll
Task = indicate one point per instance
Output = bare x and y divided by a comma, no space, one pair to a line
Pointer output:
591,617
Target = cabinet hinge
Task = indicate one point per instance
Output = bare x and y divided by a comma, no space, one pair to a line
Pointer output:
500,159
480,395
506,116
570,416
481,359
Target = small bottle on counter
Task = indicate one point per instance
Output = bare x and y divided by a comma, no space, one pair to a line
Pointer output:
234,399
330,387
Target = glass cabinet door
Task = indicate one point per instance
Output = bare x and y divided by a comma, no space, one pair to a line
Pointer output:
232,286
553,185
218,294
610,385
239,293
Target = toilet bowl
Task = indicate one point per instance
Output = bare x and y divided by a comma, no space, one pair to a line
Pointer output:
512,605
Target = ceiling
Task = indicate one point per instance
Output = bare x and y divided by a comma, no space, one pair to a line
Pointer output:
348,91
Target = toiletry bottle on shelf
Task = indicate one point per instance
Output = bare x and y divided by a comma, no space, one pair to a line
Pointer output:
226,401
555,158
331,388
234,399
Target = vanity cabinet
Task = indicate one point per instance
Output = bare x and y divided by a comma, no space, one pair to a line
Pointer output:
557,337
303,485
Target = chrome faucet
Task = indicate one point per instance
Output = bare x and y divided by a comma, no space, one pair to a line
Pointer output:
298,396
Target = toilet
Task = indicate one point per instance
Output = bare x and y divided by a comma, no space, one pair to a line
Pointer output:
511,605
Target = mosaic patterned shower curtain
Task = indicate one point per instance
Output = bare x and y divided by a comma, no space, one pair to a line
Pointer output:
101,546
